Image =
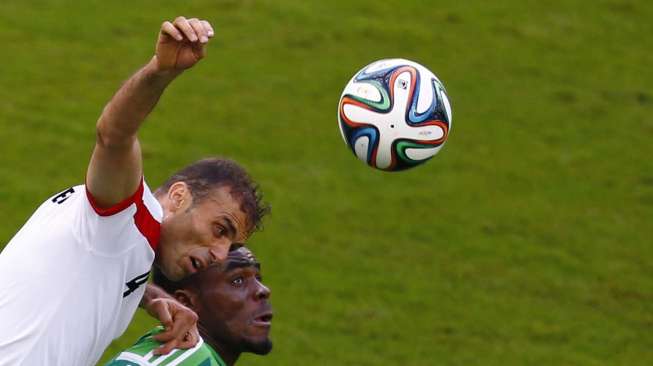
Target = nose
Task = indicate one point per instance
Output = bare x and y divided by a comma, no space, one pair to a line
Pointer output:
219,252
262,292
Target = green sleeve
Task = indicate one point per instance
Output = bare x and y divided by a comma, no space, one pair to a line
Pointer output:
140,354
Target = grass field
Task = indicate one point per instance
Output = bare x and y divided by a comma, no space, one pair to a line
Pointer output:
526,241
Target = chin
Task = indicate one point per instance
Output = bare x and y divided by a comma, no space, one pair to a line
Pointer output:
176,274
260,347
172,273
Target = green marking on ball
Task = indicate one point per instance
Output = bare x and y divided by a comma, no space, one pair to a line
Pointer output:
383,104
403,145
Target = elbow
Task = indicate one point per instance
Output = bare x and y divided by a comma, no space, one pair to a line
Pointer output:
111,137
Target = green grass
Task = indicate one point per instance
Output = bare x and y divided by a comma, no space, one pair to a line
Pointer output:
527,240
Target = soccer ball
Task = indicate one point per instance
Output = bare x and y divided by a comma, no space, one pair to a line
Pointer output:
394,114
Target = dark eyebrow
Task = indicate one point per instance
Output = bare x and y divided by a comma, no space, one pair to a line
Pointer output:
231,229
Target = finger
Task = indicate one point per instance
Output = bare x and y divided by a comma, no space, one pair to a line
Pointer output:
168,29
181,326
165,317
190,339
185,339
199,29
165,348
208,27
177,331
199,49
164,337
189,342
182,24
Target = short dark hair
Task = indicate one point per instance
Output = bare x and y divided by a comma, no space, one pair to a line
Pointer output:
207,174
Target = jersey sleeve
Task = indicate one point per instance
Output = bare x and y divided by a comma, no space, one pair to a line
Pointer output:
115,229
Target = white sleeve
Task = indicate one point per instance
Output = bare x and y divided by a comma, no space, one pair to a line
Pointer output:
116,229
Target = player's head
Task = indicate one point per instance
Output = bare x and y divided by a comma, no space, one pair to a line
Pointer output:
231,303
207,206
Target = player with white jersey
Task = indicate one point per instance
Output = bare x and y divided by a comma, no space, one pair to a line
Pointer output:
73,276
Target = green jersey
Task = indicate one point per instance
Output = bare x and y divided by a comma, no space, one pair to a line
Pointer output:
141,354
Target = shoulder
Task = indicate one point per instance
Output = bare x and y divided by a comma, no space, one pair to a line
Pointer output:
141,354
142,198
138,353
112,231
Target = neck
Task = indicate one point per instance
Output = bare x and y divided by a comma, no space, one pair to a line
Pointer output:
229,356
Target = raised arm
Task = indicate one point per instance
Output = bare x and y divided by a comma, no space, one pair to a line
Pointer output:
115,170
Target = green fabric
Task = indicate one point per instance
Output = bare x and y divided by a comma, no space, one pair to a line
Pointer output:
140,354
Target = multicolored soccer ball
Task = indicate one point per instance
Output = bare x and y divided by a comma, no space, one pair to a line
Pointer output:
394,114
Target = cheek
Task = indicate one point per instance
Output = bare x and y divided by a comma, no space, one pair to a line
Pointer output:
225,302
170,268
199,232
162,256
183,229
168,258
167,253
223,317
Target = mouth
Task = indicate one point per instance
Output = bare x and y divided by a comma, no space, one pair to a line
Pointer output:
263,320
193,265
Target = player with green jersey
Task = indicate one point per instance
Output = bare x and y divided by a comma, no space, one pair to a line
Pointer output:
234,315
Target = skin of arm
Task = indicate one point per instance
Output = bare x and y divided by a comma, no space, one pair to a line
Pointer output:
115,169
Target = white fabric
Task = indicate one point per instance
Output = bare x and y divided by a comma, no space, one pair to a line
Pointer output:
62,280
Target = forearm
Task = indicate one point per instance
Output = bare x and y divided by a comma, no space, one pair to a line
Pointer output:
115,169
129,107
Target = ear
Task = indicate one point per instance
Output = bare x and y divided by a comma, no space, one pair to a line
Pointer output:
188,298
179,196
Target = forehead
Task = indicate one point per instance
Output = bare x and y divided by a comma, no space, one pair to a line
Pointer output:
241,257
241,253
238,258
222,196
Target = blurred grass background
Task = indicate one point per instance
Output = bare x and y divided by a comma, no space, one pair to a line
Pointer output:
527,240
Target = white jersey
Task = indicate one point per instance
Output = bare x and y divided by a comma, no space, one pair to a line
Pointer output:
73,276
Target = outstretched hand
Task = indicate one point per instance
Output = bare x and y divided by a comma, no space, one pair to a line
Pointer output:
182,43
